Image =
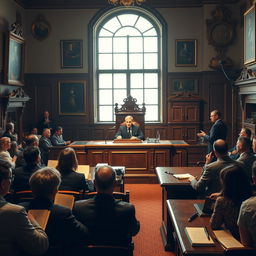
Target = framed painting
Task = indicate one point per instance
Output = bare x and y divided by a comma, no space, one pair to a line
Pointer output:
184,86
14,61
72,97
71,52
186,53
249,36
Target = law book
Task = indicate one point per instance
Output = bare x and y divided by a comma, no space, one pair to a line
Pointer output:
199,236
226,239
64,200
41,217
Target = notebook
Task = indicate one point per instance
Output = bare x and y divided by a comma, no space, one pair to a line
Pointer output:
206,208
41,217
226,239
198,236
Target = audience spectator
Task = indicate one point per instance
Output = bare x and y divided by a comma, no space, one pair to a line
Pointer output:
34,131
45,145
254,173
5,145
22,174
45,122
244,147
247,222
227,206
19,232
110,221
62,227
14,149
57,138
209,181
9,132
70,179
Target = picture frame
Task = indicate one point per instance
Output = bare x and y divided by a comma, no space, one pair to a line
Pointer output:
14,59
185,52
249,36
71,52
40,28
72,95
184,85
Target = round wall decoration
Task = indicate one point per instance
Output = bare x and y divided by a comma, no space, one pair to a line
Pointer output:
40,28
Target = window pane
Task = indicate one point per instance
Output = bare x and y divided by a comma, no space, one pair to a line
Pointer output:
105,81
105,97
135,44
136,80
105,44
128,19
105,113
143,25
119,80
151,96
138,94
120,61
136,61
120,44
105,61
150,44
112,25
150,61
150,32
151,80
119,96
104,32
151,113
128,31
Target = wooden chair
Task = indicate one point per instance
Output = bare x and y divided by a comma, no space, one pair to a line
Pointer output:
23,196
240,252
77,195
117,195
130,108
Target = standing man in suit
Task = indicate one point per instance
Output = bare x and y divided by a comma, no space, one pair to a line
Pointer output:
45,145
19,231
110,221
218,130
129,130
57,138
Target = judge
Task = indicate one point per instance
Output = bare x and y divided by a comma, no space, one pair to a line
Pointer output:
129,130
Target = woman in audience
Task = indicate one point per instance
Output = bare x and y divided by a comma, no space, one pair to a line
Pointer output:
236,188
70,179
5,145
247,222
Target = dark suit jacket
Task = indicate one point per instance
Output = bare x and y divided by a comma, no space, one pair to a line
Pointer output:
247,158
57,140
136,131
62,226
74,181
22,176
110,221
218,131
44,146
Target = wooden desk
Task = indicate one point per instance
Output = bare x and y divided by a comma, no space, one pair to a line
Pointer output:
179,212
173,188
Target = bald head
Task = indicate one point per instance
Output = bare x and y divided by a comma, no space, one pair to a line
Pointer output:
105,179
220,147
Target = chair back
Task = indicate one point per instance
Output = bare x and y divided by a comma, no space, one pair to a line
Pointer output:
123,196
23,196
77,195
130,108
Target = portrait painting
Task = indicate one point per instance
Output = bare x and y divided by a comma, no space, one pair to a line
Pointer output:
71,53
14,65
249,36
184,86
72,97
40,28
186,53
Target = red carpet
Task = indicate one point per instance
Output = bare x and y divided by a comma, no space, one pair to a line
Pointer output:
147,200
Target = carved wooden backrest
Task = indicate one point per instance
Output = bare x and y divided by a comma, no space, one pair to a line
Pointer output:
130,108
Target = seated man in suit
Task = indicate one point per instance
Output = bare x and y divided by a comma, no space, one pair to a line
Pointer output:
57,138
129,130
209,181
110,221
45,145
19,231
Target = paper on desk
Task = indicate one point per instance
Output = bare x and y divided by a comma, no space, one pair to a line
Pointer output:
182,176
226,239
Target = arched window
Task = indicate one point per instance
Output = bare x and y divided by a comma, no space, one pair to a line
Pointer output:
127,61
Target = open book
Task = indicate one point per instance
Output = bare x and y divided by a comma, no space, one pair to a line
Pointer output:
64,200
226,239
198,236
41,217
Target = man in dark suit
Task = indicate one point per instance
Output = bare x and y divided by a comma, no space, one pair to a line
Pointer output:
110,221
45,145
129,130
57,138
218,130
209,181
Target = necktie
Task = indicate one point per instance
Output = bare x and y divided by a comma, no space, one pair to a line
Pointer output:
129,131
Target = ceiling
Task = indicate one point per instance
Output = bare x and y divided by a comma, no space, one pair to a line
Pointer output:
86,4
